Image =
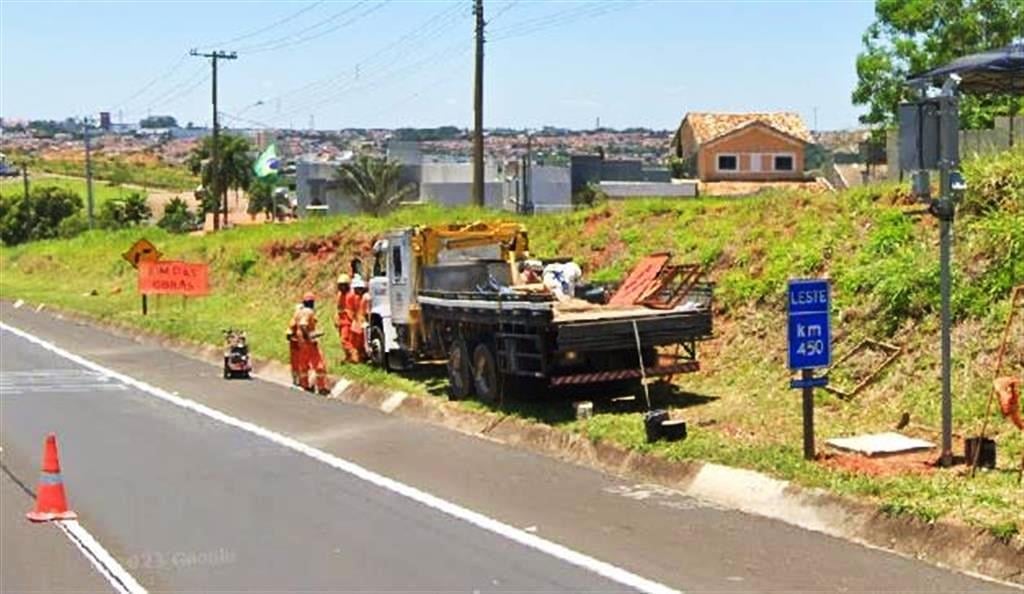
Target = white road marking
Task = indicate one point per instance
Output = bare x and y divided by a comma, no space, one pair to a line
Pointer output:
602,568
57,380
104,562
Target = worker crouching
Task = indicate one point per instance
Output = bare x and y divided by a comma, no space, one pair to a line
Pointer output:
308,338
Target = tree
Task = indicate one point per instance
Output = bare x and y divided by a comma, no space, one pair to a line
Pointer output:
38,216
234,171
261,197
374,183
911,36
177,217
130,211
158,122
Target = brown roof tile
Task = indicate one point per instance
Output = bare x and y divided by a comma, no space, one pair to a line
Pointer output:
709,126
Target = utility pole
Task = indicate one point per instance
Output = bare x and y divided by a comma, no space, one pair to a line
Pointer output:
527,206
88,173
478,107
220,193
24,178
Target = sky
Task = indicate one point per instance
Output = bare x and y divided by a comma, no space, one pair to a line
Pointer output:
392,63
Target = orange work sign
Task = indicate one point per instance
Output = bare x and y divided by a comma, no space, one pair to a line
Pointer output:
173,278
142,250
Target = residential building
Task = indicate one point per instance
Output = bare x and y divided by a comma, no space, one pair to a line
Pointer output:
742,146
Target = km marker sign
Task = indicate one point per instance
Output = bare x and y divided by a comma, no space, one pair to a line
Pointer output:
809,333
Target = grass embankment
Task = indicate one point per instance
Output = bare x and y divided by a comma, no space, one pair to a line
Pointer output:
883,264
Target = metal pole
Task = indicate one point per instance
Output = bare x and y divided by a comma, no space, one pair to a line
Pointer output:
88,172
945,240
478,108
808,404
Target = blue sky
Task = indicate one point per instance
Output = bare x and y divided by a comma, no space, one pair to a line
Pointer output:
404,63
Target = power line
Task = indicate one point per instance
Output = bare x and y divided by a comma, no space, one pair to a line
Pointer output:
559,18
330,89
162,76
266,28
291,39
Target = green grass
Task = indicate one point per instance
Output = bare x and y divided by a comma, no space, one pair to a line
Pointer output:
741,412
102,191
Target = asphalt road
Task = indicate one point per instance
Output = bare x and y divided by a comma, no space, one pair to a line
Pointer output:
187,503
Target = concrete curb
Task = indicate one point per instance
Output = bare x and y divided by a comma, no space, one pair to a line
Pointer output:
970,550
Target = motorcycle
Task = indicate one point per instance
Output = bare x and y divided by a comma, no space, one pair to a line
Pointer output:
236,355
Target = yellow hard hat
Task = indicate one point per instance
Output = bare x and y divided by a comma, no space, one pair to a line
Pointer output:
343,279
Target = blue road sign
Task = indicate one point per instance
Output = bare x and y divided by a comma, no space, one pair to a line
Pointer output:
810,324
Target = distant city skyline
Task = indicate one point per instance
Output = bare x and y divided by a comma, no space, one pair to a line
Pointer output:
372,64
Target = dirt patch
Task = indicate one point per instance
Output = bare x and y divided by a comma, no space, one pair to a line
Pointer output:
321,248
903,464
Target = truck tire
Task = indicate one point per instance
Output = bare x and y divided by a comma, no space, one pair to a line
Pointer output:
460,381
486,379
378,354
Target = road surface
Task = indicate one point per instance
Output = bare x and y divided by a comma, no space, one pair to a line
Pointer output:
186,502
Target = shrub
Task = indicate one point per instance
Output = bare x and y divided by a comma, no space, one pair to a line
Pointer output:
129,211
37,217
177,217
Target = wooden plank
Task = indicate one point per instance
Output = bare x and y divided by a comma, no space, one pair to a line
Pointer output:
638,284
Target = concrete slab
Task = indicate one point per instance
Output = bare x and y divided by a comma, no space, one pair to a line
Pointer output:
880,444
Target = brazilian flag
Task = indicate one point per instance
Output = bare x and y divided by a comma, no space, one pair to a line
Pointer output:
267,164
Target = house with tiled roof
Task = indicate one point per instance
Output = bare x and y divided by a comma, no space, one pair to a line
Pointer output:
742,146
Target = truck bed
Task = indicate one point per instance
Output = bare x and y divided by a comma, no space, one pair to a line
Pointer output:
579,325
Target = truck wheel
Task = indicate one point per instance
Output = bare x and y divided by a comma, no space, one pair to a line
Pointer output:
378,354
459,380
485,374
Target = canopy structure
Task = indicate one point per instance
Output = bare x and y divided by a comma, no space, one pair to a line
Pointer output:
995,71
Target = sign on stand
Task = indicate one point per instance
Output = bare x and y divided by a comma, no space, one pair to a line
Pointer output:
809,336
141,251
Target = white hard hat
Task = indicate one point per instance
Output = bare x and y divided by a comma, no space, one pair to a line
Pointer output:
358,282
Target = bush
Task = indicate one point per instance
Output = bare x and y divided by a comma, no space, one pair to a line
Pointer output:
39,216
177,217
126,212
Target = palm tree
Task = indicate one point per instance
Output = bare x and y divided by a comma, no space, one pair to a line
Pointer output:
374,183
234,170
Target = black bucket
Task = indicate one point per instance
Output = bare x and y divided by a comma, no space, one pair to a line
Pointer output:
673,429
987,455
652,424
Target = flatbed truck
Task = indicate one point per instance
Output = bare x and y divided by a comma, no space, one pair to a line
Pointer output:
456,293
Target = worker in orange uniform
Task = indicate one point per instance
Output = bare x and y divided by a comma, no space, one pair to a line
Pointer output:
354,308
1008,390
294,348
344,318
309,339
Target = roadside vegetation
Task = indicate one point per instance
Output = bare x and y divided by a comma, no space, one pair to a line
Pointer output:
880,255
118,172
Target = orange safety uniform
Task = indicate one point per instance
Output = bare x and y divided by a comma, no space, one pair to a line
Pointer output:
1008,389
353,309
311,356
344,324
294,349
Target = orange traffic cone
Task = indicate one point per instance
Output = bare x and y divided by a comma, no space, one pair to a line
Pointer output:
51,504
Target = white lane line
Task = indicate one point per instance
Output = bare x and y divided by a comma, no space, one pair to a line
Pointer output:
602,568
104,562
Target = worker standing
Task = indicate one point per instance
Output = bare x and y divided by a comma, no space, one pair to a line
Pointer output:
344,318
355,308
1008,389
294,347
309,339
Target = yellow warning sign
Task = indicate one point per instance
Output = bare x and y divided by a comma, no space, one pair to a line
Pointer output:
141,251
